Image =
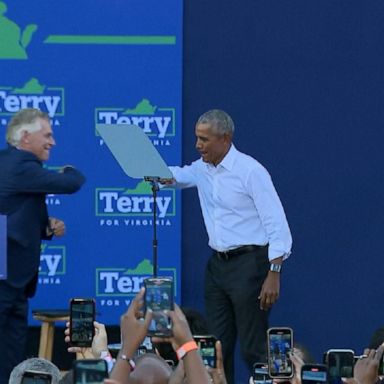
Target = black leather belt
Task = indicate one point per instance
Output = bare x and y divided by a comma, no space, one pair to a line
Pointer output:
226,255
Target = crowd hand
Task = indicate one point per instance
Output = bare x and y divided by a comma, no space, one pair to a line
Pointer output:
217,374
366,368
195,370
269,291
180,329
132,325
298,363
55,227
99,342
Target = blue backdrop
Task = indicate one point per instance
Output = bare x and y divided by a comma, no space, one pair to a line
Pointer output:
87,63
303,81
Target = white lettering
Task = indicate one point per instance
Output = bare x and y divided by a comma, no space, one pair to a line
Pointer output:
12,103
148,124
162,124
52,262
124,284
133,204
110,303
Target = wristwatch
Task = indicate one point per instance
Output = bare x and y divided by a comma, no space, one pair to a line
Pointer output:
275,267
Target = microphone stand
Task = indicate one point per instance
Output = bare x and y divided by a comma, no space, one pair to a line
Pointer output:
154,180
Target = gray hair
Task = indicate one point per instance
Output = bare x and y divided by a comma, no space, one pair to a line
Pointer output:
220,121
34,364
24,120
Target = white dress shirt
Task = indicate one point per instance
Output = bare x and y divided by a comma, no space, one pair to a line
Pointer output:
239,203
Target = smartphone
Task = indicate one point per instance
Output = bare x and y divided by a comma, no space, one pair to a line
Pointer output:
90,371
340,363
280,343
36,377
314,374
142,350
159,298
260,374
82,316
207,349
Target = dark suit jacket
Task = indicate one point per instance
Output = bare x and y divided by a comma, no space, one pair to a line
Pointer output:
24,184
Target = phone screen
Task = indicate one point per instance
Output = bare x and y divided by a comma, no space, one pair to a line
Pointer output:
82,316
90,371
340,363
36,377
314,374
159,297
207,349
260,374
280,342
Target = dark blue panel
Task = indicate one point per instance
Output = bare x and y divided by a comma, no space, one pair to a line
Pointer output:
304,83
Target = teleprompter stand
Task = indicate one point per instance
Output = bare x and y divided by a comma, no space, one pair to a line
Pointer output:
139,159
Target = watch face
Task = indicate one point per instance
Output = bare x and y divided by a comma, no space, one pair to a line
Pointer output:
275,267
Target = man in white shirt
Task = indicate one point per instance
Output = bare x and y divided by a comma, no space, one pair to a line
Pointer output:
248,233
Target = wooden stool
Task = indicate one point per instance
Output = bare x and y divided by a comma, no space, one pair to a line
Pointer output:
47,333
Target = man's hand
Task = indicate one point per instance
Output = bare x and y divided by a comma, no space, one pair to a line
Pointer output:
167,181
270,290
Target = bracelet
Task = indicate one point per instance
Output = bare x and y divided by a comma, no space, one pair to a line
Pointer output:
129,361
185,348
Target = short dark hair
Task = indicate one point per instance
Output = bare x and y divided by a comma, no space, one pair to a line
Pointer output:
220,121
377,338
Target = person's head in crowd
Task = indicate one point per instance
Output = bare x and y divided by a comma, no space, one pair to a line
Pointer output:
196,321
150,369
67,378
377,338
34,364
30,130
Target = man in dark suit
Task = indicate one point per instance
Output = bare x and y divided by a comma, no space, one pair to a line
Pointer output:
24,184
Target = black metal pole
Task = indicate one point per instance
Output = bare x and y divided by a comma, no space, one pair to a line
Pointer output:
155,187
154,243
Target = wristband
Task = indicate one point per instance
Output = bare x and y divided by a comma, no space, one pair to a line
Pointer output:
185,348
129,361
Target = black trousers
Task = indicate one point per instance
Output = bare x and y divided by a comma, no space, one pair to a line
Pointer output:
13,328
232,288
